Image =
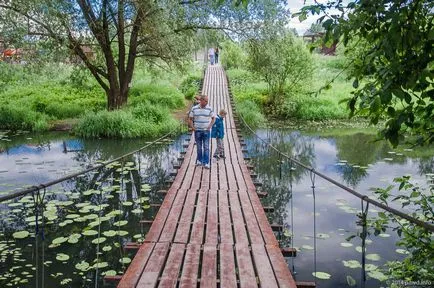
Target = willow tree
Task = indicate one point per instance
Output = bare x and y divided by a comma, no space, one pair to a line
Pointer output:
109,35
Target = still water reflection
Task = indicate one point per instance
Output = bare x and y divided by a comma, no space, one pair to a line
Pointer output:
112,201
353,159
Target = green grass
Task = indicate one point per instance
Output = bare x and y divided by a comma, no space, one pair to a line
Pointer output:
31,97
304,104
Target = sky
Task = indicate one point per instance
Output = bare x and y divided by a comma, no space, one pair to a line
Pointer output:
295,6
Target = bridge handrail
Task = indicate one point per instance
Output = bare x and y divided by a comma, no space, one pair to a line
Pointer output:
35,188
426,225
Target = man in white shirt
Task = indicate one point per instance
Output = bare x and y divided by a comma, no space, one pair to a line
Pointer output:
200,120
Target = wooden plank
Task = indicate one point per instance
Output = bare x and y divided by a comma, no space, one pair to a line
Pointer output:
252,225
158,223
197,230
281,270
211,236
183,169
170,226
228,277
222,177
154,266
263,266
237,218
186,218
169,278
208,276
189,275
245,266
132,275
226,235
262,219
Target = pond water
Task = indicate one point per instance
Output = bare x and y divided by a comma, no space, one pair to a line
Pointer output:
76,237
353,159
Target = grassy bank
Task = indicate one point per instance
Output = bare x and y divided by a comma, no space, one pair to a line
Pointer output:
32,98
251,95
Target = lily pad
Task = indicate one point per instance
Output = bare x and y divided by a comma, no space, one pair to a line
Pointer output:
321,275
74,238
125,260
307,247
351,281
82,266
21,234
402,251
352,264
99,240
377,275
109,233
322,236
62,257
106,248
346,244
59,240
120,223
89,232
384,235
373,257
110,273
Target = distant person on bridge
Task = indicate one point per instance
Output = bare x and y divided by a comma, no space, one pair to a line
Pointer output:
200,119
211,54
216,55
218,132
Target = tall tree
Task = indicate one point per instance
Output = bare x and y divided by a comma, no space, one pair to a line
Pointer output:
394,73
119,31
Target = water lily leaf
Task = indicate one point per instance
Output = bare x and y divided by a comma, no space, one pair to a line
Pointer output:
352,264
120,223
109,233
89,232
307,247
73,238
384,235
377,275
321,275
100,265
370,267
127,203
351,282
125,260
72,216
146,187
21,234
322,236
106,248
82,266
99,240
62,257
373,257
137,211
346,244
359,249
122,233
402,251
59,240
110,273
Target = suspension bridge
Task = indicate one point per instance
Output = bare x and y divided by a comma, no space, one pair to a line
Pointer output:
211,229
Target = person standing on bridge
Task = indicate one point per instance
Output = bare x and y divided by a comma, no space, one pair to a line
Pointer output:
218,132
200,119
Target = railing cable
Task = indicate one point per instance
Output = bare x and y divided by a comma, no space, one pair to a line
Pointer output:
426,225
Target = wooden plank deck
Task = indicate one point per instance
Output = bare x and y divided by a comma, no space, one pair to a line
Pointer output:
211,229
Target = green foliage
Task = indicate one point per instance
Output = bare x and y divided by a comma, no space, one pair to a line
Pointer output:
190,86
282,61
419,263
393,67
251,113
141,121
156,94
21,118
232,55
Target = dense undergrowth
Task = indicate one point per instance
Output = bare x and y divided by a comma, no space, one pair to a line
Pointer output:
32,97
252,96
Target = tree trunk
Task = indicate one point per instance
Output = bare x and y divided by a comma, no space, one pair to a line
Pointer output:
116,98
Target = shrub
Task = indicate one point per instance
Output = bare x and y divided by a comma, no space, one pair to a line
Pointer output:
22,118
250,112
190,86
232,55
156,94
